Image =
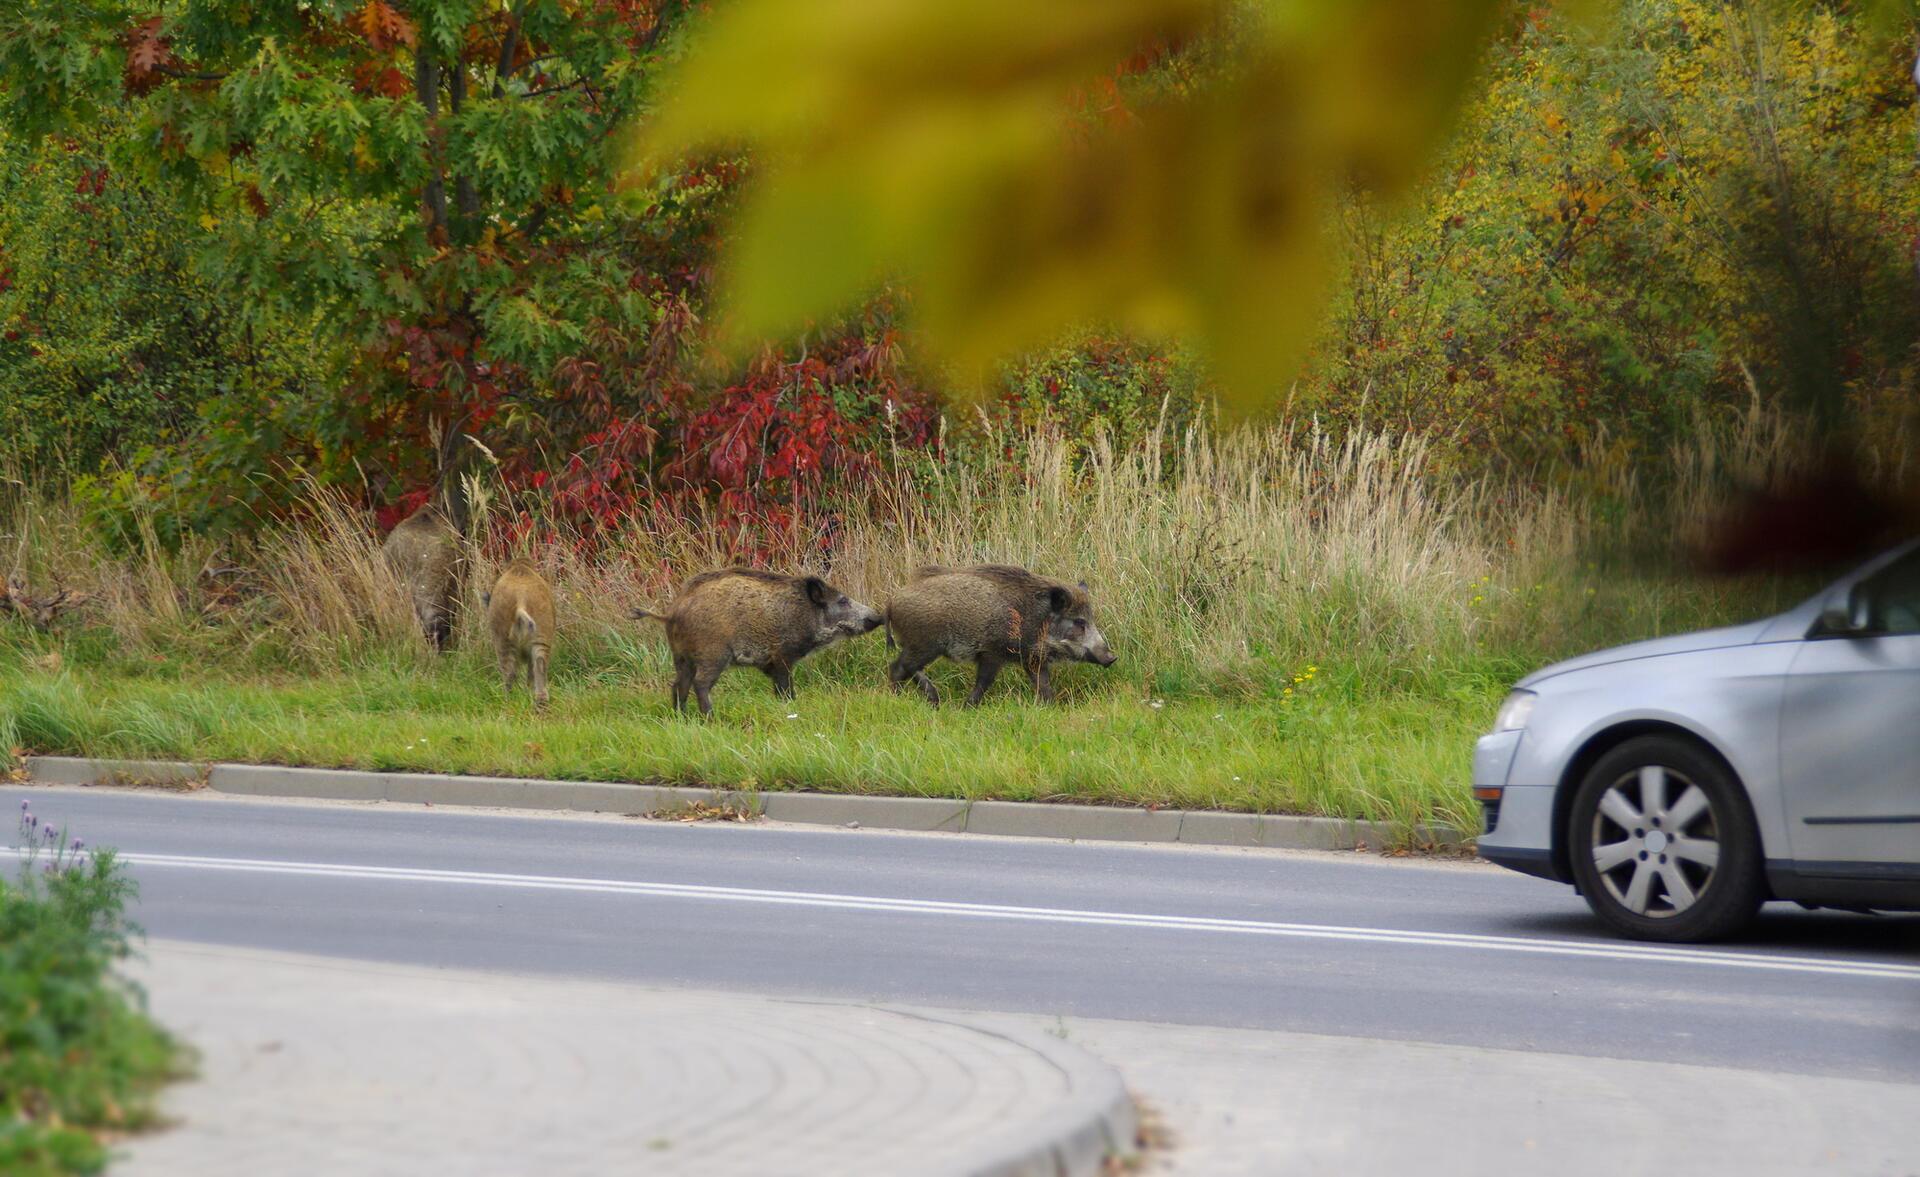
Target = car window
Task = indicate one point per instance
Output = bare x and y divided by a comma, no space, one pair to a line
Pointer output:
1893,596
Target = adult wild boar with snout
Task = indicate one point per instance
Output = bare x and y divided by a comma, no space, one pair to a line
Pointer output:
991,615
747,617
423,551
520,618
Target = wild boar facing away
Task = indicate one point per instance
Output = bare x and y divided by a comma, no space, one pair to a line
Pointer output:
746,617
991,615
520,618
423,551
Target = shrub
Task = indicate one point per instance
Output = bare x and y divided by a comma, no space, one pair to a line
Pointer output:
78,1056
1681,207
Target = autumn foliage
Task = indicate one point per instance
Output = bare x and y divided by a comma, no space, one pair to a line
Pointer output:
243,245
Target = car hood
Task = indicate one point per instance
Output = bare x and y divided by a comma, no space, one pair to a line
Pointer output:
1680,643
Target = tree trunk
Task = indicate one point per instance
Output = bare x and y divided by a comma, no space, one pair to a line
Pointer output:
426,86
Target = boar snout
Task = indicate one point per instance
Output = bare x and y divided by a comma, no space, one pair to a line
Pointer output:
851,618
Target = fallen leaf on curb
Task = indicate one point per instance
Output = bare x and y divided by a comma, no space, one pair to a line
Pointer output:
702,811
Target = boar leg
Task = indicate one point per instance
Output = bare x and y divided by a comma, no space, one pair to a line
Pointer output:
509,668
782,677
703,680
1042,682
439,627
537,673
913,666
682,682
926,687
989,669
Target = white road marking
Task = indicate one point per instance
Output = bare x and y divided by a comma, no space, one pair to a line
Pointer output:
1646,953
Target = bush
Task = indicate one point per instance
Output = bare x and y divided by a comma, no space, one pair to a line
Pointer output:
1105,383
78,1056
1684,207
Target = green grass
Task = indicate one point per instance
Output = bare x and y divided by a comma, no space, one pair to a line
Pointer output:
1219,576
1321,750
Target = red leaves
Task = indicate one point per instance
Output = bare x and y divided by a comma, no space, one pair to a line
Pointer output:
774,452
410,502
636,22
386,80
149,54
383,26
393,84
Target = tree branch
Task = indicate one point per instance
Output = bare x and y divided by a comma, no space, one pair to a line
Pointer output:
465,197
531,225
576,84
509,45
535,61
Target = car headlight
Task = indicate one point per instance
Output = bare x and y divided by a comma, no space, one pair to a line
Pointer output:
1514,712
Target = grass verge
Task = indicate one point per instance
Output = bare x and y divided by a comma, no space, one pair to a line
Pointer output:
1322,744
1305,624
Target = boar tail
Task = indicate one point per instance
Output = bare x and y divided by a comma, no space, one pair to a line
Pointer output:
639,614
525,628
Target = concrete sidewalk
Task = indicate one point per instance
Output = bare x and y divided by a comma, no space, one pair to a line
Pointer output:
1261,1103
313,1066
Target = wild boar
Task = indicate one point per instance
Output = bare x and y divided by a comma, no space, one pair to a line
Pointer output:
520,617
990,615
747,617
424,552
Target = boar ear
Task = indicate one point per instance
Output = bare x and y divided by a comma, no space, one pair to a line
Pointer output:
1058,599
816,590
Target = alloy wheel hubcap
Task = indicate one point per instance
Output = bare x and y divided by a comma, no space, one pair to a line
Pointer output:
1654,841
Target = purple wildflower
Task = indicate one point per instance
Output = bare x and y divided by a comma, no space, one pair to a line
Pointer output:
23,806
33,820
77,843
48,831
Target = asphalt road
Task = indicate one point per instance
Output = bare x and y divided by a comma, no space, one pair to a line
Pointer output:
1346,945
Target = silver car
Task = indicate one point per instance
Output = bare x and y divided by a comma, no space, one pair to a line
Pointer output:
1680,783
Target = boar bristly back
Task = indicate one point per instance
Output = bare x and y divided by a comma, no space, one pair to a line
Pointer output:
424,552
750,617
991,615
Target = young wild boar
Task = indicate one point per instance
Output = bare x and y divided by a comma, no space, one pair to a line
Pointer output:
746,617
990,615
424,552
520,617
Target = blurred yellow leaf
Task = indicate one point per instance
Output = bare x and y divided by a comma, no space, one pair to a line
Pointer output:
949,145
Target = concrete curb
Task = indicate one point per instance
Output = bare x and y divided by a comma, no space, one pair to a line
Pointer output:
1097,1123
76,770
1015,818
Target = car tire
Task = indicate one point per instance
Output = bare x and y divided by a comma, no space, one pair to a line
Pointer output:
1663,844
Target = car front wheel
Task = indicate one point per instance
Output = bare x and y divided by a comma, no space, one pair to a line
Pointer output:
1663,843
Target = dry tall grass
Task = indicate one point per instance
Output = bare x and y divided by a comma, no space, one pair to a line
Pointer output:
1218,562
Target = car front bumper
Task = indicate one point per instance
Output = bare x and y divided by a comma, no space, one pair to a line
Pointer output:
1519,826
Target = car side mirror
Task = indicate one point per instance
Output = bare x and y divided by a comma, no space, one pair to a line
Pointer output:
1849,612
